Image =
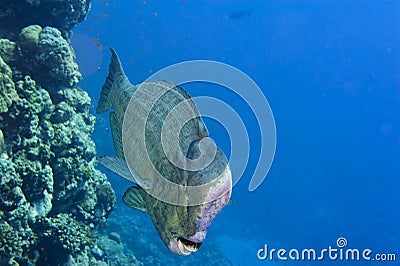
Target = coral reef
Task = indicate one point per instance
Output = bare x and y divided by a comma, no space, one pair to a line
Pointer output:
52,199
48,166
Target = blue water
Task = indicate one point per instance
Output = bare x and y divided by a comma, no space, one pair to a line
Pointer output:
331,73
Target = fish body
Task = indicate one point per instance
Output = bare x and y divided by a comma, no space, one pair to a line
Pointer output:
182,228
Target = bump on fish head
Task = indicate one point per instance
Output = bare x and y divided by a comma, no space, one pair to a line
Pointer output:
215,198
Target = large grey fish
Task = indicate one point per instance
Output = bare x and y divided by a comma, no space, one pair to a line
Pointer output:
182,227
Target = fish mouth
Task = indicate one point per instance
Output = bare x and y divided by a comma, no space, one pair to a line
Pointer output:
185,246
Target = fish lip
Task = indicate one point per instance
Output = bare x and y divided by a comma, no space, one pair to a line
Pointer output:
184,247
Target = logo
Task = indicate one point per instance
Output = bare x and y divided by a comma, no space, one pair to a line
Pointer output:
146,101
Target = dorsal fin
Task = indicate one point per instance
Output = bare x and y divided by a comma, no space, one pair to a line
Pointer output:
114,70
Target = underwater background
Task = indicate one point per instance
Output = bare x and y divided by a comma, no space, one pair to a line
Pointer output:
329,69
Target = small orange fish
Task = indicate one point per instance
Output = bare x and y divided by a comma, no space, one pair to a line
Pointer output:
97,43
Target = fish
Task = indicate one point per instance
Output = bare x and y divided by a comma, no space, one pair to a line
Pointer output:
97,43
181,227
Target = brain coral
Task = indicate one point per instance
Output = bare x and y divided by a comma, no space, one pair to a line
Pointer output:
29,37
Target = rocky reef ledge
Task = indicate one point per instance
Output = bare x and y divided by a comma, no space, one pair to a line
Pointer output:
53,201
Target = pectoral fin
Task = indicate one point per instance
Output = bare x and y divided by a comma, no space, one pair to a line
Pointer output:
134,198
120,167
117,166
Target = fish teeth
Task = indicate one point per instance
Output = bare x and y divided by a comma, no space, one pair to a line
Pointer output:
186,249
190,248
182,248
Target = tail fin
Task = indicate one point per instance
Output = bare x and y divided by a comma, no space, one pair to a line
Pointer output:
115,69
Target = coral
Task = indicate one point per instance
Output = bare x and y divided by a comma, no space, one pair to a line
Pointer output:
79,187
7,88
35,97
54,52
29,37
61,14
14,246
114,253
48,57
59,237
62,236
27,131
9,51
52,197
16,236
10,187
